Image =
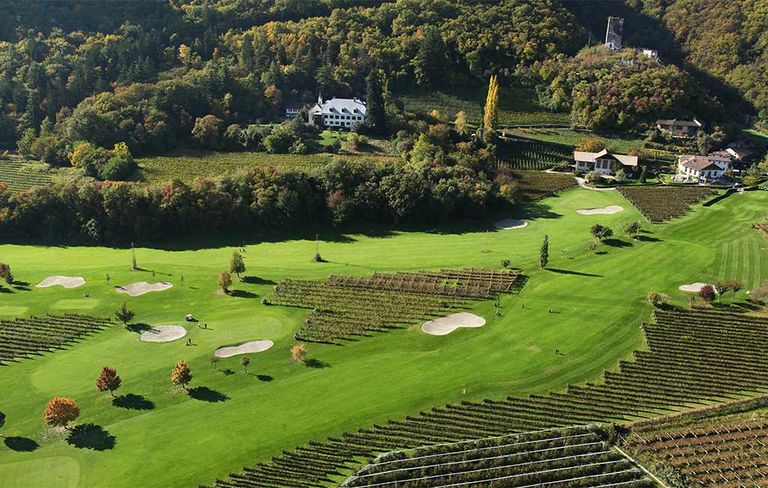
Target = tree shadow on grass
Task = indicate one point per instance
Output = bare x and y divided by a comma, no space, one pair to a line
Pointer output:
205,394
617,243
242,294
255,280
571,272
647,239
264,377
315,363
133,402
21,444
91,436
138,328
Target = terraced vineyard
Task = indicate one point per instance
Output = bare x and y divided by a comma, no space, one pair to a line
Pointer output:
660,203
534,155
574,456
694,357
27,337
348,306
536,185
20,175
725,454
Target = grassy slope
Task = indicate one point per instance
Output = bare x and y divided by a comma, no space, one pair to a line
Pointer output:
190,164
516,106
184,441
571,137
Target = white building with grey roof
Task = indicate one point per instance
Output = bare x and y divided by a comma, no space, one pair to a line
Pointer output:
337,113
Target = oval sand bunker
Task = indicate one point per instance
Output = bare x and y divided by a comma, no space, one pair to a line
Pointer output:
141,287
609,210
693,287
65,281
163,333
507,224
244,348
446,325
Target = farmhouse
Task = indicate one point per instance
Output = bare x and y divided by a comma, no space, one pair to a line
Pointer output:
337,112
693,168
682,129
740,150
603,162
293,109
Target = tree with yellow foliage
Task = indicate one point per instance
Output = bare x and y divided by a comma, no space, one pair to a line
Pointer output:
491,112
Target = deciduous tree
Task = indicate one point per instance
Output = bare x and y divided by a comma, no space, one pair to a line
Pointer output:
181,374
632,229
225,281
244,361
236,264
108,380
5,273
590,144
460,124
124,314
299,352
60,411
601,232
708,293
491,111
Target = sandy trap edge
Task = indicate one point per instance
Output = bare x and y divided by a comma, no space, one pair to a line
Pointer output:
693,287
65,281
508,224
141,287
609,210
250,347
446,325
163,333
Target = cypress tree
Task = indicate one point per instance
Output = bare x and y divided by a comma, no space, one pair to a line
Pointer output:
544,252
374,103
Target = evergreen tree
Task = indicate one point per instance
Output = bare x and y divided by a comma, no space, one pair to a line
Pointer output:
374,102
544,252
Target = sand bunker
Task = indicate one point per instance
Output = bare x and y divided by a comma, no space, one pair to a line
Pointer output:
244,348
163,333
693,287
142,287
446,325
65,281
508,224
612,209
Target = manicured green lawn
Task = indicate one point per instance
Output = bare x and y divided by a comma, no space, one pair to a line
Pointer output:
597,300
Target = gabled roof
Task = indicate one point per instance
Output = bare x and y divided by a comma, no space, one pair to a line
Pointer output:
700,163
721,156
591,157
683,123
339,106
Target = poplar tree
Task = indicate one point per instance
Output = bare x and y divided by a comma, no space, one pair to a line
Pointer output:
491,112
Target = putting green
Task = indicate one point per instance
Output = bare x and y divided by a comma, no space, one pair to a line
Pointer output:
597,302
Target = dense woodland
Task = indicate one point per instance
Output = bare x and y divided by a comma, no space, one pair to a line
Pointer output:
143,72
92,87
